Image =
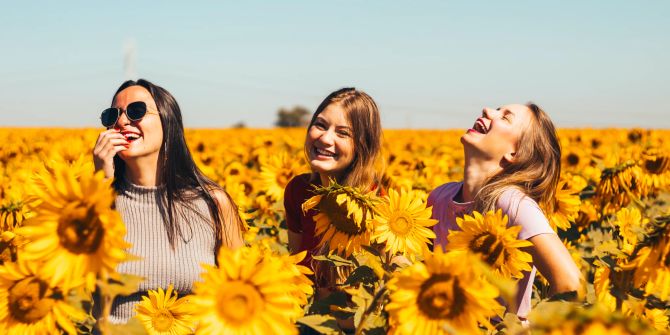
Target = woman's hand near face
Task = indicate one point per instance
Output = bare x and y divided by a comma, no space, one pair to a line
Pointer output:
109,143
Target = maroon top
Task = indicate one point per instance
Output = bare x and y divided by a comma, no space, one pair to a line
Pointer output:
298,190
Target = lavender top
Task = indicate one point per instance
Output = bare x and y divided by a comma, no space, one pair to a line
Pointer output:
521,210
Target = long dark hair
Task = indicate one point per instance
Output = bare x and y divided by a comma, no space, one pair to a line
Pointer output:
177,171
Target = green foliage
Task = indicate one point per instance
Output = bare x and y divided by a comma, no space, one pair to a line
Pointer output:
297,116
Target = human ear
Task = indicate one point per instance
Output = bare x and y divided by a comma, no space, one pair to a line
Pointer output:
509,157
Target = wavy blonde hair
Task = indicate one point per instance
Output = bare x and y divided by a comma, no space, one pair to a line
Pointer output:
536,167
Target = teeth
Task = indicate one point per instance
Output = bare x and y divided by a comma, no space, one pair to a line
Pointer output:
479,127
323,152
132,136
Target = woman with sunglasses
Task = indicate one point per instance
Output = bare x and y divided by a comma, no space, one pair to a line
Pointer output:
176,218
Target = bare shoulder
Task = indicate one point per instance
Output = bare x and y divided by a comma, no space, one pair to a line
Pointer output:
221,197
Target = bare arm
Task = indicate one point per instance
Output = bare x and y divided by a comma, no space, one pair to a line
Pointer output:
293,215
231,225
554,262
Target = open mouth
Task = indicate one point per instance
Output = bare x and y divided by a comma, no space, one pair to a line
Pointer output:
321,153
131,137
480,127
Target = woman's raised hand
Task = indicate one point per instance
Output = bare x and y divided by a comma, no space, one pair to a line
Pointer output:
109,143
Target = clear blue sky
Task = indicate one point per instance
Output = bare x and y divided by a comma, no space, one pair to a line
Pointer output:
428,64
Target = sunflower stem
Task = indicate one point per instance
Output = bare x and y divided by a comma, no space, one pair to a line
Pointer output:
105,301
634,198
368,311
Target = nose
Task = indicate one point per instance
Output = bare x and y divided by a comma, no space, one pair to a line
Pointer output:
327,138
122,121
487,112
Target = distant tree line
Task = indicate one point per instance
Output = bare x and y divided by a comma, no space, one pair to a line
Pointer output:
298,116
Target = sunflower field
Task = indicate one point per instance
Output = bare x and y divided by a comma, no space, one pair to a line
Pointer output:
61,241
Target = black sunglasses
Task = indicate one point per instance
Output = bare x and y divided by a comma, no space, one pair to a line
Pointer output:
135,112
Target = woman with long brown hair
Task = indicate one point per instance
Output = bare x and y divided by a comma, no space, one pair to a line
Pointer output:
343,144
513,163
176,218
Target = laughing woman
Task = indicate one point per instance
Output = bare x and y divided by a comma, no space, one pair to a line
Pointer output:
512,162
343,142
176,218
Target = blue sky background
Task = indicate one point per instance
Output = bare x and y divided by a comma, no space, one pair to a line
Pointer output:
428,64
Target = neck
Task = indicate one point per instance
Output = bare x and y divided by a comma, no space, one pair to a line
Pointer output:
475,174
143,171
325,179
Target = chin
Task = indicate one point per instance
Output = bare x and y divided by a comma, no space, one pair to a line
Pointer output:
327,169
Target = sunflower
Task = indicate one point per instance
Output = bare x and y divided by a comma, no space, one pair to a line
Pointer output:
402,223
498,246
344,221
601,285
75,230
303,285
237,192
162,313
446,295
651,258
574,158
252,292
637,308
559,318
566,202
629,222
652,268
656,318
656,167
276,172
619,185
586,216
12,214
30,305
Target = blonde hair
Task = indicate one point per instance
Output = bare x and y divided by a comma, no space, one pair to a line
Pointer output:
363,114
536,167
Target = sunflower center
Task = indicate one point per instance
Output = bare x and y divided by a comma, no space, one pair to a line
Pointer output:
441,297
239,302
338,216
572,159
489,246
283,177
80,230
401,224
162,320
29,300
656,165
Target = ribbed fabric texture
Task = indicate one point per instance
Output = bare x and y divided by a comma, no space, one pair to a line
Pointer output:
161,266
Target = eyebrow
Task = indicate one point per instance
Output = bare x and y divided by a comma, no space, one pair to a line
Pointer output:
506,111
322,119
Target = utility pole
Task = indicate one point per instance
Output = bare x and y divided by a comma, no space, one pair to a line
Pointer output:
129,59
